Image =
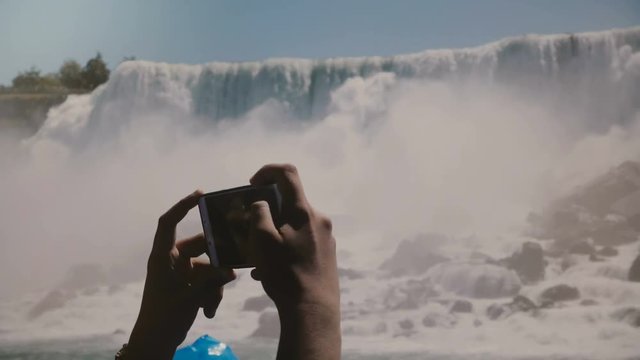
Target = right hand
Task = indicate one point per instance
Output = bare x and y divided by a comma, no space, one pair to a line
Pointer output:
296,262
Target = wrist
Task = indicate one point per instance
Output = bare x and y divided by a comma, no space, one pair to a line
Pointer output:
151,341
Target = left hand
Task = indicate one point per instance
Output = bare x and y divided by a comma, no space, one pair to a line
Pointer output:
177,285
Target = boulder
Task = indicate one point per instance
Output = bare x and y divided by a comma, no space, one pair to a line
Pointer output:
559,293
405,324
268,325
607,251
519,303
257,303
634,271
581,247
414,256
434,319
528,262
630,315
55,299
411,294
472,280
461,306
588,302
606,209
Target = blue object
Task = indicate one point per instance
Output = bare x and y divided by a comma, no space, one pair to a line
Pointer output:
205,348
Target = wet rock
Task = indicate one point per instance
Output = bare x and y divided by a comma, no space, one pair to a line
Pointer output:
405,324
518,304
581,247
606,210
495,311
634,271
350,274
434,319
528,262
607,251
522,303
461,306
588,302
559,293
414,256
471,280
257,303
595,258
630,315
53,300
411,294
268,325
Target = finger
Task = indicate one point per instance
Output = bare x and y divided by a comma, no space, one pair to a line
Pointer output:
165,235
261,226
211,300
192,247
203,274
294,202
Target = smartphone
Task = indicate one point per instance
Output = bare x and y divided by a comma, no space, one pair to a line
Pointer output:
225,222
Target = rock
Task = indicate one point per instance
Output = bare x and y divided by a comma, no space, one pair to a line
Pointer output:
434,319
494,311
55,299
630,315
606,210
588,302
634,271
560,292
528,262
522,303
257,303
485,281
405,324
411,294
414,256
119,332
461,306
607,251
350,274
595,258
518,304
582,247
477,322
268,325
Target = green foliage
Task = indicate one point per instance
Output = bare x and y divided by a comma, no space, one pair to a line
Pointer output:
32,81
70,74
95,73
71,77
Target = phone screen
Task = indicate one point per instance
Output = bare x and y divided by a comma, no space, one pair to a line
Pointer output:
225,220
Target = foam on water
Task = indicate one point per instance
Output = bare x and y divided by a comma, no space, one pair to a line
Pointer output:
462,142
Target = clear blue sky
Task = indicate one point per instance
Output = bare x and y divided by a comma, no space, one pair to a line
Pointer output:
44,33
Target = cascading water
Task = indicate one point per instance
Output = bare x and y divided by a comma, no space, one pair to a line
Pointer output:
463,143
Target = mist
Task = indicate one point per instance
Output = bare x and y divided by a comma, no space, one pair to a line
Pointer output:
392,158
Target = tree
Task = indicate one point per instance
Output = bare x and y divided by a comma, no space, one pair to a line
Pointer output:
95,73
27,80
70,74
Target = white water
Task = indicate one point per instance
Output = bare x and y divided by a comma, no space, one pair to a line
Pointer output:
464,142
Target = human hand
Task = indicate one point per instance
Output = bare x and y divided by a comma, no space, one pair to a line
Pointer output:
176,286
297,266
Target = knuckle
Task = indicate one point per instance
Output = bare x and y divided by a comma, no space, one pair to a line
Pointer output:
325,223
289,169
